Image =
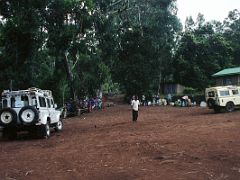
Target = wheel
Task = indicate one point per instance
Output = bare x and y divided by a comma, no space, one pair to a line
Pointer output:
8,117
211,103
59,126
230,107
45,131
28,115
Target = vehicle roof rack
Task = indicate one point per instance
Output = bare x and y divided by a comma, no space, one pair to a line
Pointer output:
45,92
29,90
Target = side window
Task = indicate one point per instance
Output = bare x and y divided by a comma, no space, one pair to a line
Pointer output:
235,92
42,101
211,94
52,103
48,103
25,101
4,103
224,93
19,101
13,102
34,101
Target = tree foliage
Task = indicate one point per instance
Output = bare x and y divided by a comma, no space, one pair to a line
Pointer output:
204,49
76,47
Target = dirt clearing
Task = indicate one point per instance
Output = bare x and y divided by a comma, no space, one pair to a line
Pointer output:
165,143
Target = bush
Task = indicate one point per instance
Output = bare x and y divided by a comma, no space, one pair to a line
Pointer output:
189,90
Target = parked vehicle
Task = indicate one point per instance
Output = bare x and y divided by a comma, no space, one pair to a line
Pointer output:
32,110
223,97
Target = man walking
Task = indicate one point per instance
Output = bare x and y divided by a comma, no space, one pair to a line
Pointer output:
135,104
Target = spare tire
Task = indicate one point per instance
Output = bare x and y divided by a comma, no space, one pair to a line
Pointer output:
8,117
28,115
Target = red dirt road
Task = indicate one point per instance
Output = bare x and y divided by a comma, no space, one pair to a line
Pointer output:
166,143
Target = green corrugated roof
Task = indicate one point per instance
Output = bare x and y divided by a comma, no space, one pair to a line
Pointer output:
229,71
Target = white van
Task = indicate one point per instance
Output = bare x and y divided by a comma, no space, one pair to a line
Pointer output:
223,97
32,110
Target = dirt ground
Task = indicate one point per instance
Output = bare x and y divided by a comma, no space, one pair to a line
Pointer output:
166,143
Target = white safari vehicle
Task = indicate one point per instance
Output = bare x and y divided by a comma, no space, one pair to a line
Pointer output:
223,97
30,110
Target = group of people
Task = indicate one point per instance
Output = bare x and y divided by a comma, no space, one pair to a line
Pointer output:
185,101
83,105
88,104
135,103
156,100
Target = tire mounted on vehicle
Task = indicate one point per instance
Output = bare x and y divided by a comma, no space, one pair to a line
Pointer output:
59,126
28,115
230,107
8,117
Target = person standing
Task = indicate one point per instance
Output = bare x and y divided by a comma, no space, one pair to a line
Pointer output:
169,98
143,100
135,107
184,101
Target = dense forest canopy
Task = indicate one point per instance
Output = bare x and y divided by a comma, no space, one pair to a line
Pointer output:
80,47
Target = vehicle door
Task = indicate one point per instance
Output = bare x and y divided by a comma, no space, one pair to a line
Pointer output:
51,110
224,97
42,105
236,96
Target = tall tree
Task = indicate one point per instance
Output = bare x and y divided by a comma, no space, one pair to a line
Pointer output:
20,41
231,32
158,25
202,52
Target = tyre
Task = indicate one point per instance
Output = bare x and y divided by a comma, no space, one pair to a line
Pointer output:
8,117
230,107
45,131
211,103
28,115
59,126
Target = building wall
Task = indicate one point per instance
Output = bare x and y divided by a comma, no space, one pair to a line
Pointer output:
173,89
180,89
169,89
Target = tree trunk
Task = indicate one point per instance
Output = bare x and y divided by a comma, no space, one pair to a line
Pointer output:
69,74
159,83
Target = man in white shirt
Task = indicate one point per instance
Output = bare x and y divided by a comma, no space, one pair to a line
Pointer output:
135,104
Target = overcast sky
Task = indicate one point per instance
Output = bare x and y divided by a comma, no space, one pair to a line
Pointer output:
211,9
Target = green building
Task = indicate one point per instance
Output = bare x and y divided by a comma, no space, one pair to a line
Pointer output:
230,76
